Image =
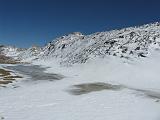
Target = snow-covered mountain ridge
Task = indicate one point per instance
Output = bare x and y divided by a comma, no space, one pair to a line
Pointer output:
126,43
20,53
9,50
74,48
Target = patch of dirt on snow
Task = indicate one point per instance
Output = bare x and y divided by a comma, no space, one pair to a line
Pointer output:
93,87
7,60
6,77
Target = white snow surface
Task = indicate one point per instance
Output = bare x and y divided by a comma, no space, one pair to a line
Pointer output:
51,100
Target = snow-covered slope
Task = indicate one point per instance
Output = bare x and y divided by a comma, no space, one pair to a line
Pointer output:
126,43
139,99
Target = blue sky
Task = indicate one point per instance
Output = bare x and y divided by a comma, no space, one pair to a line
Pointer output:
35,22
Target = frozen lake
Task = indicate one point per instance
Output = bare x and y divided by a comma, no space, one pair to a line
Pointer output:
35,72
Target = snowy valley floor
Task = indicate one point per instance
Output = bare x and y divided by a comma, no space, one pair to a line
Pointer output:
102,89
